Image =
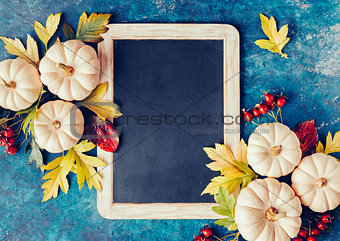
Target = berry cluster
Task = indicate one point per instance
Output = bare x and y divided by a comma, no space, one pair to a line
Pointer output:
310,234
204,235
7,140
262,109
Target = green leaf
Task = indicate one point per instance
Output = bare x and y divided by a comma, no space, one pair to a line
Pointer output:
89,29
36,154
225,199
29,121
222,211
68,32
228,223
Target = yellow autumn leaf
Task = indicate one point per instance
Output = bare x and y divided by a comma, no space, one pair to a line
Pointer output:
332,144
85,166
104,109
277,40
222,156
319,148
90,28
57,177
241,152
45,34
229,182
15,47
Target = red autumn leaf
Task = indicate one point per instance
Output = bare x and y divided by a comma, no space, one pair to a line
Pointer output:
308,136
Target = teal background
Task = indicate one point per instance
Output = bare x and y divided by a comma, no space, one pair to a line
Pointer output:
309,78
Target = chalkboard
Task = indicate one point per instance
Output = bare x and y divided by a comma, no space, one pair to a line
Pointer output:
171,83
171,94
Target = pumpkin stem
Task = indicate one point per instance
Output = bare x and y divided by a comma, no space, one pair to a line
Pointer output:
272,214
69,70
11,84
321,182
276,150
56,124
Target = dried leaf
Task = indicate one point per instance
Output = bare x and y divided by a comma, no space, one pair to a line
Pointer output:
45,34
241,152
230,182
85,165
332,145
89,29
223,158
57,177
36,154
277,40
308,136
68,32
104,109
15,47
320,147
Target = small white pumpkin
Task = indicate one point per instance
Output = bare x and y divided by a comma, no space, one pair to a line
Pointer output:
58,126
20,84
317,182
267,210
273,150
70,70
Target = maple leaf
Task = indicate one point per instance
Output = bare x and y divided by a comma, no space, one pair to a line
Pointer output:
277,40
226,208
85,165
233,172
45,34
57,177
104,109
332,144
89,29
15,47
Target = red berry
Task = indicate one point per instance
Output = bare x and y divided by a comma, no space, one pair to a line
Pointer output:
312,238
248,116
207,232
298,239
3,141
12,150
303,233
271,105
281,101
10,141
315,232
326,218
207,239
199,238
321,226
269,98
8,132
263,109
256,112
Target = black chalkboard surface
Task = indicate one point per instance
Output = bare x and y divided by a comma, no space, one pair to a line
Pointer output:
171,111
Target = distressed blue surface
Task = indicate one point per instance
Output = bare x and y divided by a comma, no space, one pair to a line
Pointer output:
310,78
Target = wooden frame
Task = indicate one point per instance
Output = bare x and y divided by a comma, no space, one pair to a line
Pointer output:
231,98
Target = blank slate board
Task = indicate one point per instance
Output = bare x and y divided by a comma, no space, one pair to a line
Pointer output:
174,84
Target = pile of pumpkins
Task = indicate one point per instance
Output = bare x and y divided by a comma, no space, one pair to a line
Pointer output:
269,210
70,70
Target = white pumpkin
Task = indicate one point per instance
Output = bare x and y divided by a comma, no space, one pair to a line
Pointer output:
267,210
273,150
70,70
58,126
20,84
317,182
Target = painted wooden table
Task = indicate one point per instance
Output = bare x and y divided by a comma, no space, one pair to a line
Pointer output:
310,78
